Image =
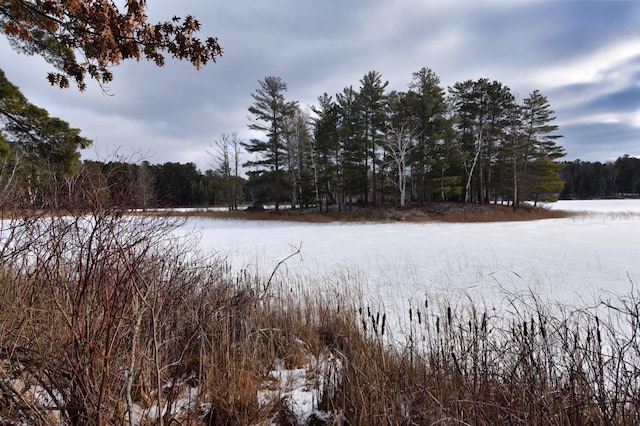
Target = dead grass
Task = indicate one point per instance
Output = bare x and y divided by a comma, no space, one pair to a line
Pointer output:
125,306
433,212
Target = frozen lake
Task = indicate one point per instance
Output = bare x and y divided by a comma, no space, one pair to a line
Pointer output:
576,261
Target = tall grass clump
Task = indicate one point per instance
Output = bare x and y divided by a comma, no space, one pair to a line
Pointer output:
531,364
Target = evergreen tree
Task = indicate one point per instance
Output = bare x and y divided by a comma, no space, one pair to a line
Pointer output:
327,150
271,111
179,185
447,159
353,182
427,104
373,106
539,148
48,146
627,176
482,109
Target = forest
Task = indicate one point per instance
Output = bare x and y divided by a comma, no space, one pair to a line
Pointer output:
366,146
184,185
592,180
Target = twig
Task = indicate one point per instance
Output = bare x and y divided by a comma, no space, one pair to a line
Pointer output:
282,262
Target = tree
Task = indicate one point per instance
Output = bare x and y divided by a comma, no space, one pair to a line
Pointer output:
546,181
482,109
446,162
300,157
270,111
82,37
353,179
399,143
583,179
179,185
539,147
49,145
373,105
431,161
226,152
326,150
628,176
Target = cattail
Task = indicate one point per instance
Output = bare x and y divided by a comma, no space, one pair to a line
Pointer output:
384,321
532,325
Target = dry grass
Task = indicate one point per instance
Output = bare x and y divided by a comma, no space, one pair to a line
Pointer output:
440,212
103,319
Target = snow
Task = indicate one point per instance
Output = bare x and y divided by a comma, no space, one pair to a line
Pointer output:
574,260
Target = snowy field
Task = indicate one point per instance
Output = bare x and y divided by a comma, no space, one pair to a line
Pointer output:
578,262
575,261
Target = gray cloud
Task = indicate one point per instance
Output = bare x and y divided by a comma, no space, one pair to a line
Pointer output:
585,56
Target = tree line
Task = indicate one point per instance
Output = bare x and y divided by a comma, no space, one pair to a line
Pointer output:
363,147
589,180
474,142
40,167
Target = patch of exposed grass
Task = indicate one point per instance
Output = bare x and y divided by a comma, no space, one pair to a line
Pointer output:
433,212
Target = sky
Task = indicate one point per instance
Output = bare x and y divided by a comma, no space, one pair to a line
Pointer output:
584,56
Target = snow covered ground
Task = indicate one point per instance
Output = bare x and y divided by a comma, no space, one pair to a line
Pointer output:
577,261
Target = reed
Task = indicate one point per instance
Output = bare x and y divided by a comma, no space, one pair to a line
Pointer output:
109,319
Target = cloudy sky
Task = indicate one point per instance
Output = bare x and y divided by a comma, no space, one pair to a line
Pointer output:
583,55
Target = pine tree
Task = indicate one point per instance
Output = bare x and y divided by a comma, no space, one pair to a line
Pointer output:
373,105
427,105
327,150
48,146
353,181
271,111
538,147
482,116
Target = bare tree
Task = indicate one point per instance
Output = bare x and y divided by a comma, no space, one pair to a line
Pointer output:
9,187
226,153
399,144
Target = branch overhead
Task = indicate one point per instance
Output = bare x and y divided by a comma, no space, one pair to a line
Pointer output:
83,38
